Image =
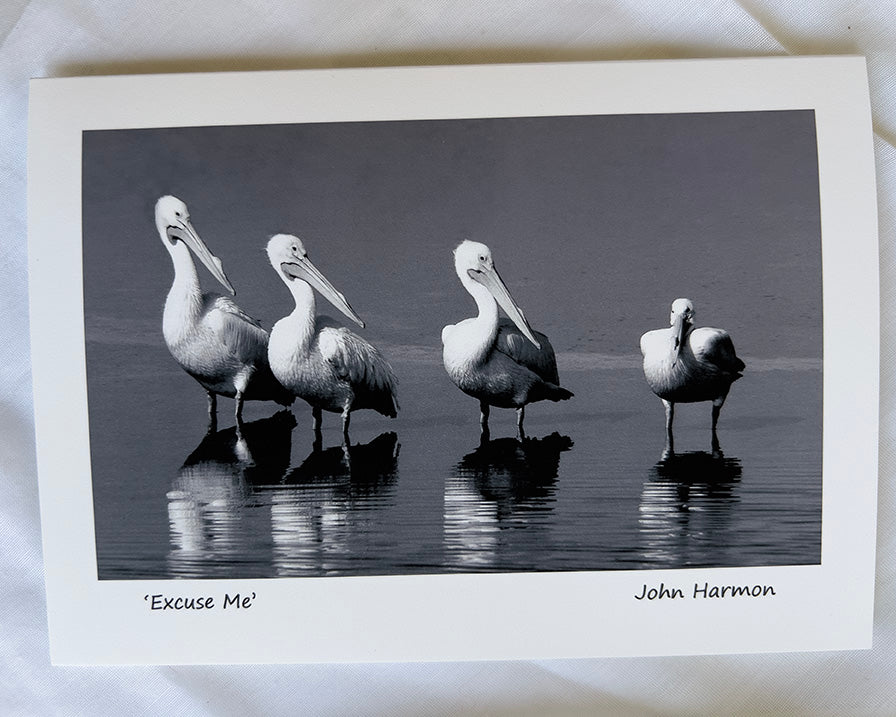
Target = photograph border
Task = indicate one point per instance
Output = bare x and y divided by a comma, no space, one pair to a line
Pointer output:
465,616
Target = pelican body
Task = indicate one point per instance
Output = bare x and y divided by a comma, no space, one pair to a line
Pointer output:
224,349
501,362
683,364
315,357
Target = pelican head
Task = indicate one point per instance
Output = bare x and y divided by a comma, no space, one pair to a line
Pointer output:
473,262
290,260
173,224
681,319
683,308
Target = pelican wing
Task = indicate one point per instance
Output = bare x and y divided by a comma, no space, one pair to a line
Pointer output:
714,346
541,361
241,334
355,360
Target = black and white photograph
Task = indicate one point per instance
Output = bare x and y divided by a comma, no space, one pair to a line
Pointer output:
455,363
378,348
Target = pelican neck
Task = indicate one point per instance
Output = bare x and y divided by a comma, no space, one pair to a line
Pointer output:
183,306
185,274
304,312
485,302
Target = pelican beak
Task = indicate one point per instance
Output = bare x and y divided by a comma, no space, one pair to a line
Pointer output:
491,280
306,271
679,329
184,231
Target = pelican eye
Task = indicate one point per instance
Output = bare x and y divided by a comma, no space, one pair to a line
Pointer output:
482,257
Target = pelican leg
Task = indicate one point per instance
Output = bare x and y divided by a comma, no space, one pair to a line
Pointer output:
238,410
716,410
318,441
716,448
483,415
520,415
670,414
240,384
346,419
212,412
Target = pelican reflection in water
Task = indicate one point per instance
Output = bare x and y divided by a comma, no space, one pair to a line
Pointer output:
683,364
501,362
236,509
324,511
686,511
504,483
317,358
211,510
224,349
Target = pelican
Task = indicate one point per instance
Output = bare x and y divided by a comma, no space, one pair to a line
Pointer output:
502,363
685,365
317,358
209,336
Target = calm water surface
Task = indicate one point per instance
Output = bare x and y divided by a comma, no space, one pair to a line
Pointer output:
587,490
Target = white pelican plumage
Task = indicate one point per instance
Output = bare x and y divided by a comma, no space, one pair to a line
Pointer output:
317,358
685,365
502,363
210,337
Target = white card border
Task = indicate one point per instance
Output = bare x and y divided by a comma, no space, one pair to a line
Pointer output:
459,617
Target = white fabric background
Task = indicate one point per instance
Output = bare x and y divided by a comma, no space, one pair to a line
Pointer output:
67,38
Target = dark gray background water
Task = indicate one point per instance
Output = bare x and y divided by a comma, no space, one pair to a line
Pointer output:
596,224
